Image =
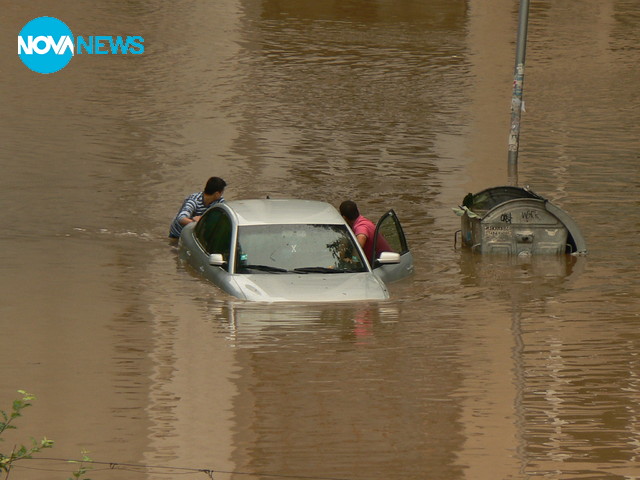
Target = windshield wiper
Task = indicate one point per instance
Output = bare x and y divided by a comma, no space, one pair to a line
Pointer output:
319,270
265,268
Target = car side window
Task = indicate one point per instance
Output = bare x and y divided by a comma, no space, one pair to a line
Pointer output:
389,227
213,233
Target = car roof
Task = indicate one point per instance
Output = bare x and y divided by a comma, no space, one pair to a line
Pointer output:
284,211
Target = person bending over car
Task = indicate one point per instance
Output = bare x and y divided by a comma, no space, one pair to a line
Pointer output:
364,230
196,204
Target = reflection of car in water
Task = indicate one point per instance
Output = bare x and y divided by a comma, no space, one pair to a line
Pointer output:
258,323
291,250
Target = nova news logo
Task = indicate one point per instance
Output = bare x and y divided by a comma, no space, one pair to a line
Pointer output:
46,45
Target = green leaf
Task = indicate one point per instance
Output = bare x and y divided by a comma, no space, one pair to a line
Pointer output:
26,396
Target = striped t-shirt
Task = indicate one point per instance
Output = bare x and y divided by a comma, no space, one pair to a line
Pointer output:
193,206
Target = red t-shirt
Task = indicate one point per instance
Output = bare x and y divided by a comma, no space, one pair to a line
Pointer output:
364,226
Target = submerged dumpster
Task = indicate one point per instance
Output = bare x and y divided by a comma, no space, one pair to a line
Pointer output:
516,221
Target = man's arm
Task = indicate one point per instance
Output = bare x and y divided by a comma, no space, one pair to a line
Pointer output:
185,216
186,220
362,239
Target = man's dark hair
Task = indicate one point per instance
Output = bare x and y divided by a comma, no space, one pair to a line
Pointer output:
214,184
349,210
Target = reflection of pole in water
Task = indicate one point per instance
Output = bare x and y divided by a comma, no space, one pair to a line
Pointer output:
560,272
522,286
516,99
519,384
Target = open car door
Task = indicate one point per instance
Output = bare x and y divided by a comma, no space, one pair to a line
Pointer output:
389,229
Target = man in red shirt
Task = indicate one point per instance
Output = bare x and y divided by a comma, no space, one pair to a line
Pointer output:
364,230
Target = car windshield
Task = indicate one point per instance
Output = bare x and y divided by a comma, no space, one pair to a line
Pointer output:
298,249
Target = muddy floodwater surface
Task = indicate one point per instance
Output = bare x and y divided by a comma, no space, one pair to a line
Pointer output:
477,368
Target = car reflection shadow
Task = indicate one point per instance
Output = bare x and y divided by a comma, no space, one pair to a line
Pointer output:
252,324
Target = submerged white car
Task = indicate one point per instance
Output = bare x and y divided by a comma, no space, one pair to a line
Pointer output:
291,250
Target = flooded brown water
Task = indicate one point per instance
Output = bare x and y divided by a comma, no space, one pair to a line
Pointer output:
478,368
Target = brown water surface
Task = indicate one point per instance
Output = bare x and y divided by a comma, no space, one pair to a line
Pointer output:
478,368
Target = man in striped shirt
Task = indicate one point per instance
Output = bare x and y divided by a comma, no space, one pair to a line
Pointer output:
196,204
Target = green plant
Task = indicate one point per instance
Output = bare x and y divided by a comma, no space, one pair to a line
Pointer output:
22,452
6,423
82,469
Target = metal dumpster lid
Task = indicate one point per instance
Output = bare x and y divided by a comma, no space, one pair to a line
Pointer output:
486,200
490,197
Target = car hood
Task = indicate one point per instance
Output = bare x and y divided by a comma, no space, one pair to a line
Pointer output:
311,287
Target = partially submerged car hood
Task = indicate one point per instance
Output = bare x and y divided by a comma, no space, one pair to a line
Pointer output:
310,287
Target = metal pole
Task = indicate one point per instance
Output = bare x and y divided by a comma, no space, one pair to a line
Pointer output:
516,98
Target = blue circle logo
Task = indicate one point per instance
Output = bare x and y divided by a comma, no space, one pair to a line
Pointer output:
45,45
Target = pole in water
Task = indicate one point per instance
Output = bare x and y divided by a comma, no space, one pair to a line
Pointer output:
516,98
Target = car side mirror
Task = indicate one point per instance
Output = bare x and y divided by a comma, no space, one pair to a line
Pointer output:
216,260
388,258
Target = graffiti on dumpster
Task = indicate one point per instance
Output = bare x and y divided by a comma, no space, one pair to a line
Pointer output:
506,217
522,216
530,216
